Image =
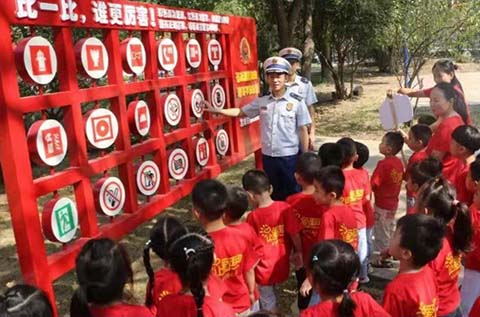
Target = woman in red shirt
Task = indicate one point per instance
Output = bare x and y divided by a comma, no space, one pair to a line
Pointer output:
441,102
103,269
437,198
333,268
191,257
444,72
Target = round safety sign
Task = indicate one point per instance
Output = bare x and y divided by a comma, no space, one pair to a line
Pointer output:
139,117
173,110
197,103
109,195
60,220
218,96
167,54
148,178
202,151
178,164
92,57
194,53
36,60
133,55
101,128
214,52
47,142
222,142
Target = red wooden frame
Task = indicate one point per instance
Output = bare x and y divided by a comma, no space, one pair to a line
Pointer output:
23,190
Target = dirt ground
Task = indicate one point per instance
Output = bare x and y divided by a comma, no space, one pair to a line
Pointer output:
357,118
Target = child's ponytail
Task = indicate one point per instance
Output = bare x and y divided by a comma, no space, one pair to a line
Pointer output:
196,284
150,273
462,228
79,304
347,305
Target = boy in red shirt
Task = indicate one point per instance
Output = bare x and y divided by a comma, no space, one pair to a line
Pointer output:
413,292
421,172
234,256
386,184
417,140
307,211
471,277
278,228
355,195
465,142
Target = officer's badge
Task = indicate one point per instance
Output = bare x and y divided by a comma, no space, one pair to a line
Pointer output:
289,106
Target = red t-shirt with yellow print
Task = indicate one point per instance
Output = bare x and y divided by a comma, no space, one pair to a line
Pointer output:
338,222
356,193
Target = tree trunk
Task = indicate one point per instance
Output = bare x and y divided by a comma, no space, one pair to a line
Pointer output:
309,44
286,23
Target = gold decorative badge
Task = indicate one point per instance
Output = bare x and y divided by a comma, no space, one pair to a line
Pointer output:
289,106
245,52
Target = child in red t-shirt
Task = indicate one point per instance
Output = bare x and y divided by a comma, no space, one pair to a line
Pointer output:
278,228
413,292
355,195
471,276
417,140
437,198
421,172
465,142
441,103
386,185
307,211
191,257
103,269
235,257
333,267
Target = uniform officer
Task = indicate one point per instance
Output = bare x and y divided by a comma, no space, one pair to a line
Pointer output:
301,85
284,119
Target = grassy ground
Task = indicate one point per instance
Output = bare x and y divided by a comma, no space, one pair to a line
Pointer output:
357,118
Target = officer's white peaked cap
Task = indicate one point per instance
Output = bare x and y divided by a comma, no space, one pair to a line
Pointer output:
291,53
277,65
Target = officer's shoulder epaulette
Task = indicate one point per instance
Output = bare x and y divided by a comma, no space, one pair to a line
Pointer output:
295,96
304,80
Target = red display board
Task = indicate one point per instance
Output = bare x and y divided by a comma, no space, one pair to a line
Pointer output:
132,138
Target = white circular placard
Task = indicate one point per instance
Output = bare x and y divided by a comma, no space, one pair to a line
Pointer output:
94,57
111,195
167,54
148,178
178,164
173,110
214,52
197,103
60,220
39,60
139,117
101,128
218,96
194,53
136,56
222,142
202,152
47,142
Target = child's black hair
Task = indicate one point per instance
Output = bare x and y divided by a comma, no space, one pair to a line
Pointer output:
333,266
332,180
209,198
349,149
331,154
237,202
422,235
191,257
467,136
426,119
164,232
423,171
422,133
256,181
308,164
475,169
438,197
264,313
25,301
450,93
395,141
103,268
363,155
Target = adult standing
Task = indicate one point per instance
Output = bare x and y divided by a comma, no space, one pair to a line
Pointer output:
301,85
284,119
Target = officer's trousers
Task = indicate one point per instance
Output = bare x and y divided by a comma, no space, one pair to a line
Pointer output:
280,171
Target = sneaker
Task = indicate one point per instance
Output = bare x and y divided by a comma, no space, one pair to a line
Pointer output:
364,280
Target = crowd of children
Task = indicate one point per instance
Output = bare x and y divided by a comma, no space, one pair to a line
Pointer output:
341,221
